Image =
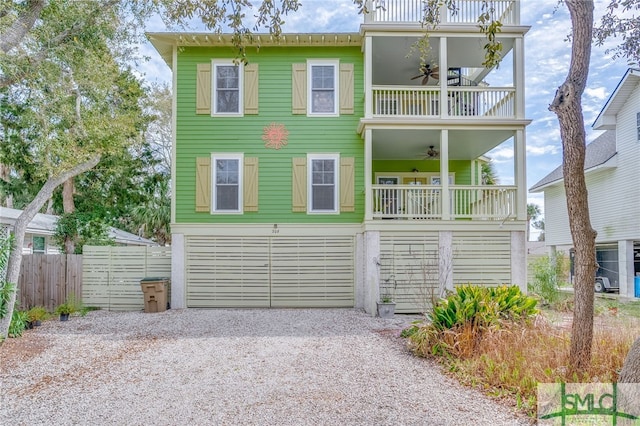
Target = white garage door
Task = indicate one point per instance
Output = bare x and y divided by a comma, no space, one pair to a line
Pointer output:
270,271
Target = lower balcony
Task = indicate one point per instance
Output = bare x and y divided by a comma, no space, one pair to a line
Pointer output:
428,202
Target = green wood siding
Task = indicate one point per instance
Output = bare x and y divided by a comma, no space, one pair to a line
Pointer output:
199,135
461,168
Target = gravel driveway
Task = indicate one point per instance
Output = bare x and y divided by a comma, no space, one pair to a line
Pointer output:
254,366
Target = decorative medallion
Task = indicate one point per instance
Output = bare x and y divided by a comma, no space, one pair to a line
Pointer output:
275,136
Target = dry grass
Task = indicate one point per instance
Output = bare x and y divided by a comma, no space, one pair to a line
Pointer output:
510,361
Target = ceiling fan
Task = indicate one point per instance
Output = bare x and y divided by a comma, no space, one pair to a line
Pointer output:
427,72
431,153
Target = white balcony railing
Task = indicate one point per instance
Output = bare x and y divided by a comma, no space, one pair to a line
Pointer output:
484,202
463,101
424,202
466,12
402,101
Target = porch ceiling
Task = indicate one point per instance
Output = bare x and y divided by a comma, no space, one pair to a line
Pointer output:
395,64
411,144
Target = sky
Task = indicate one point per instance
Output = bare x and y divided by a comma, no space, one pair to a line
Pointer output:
547,55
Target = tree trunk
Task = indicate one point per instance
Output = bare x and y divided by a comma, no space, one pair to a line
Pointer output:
629,395
20,228
631,368
13,35
69,207
567,106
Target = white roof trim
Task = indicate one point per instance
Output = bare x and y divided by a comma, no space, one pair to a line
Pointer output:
606,120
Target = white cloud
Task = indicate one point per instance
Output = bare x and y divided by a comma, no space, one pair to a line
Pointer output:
542,150
501,154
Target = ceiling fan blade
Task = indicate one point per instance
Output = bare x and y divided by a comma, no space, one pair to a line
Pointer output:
417,76
435,75
425,80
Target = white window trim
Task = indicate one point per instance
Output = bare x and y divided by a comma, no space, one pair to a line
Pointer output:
214,112
336,182
336,83
227,156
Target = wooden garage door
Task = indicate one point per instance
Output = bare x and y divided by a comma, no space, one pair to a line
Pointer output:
312,272
227,272
263,272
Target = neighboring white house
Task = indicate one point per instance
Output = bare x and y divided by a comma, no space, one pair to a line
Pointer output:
612,172
39,236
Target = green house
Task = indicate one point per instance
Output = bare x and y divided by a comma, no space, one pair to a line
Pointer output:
321,173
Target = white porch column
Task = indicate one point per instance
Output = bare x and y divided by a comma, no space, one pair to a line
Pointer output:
444,99
445,262
518,76
368,79
368,178
372,271
520,174
178,290
626,269
360,271
444,174
519,260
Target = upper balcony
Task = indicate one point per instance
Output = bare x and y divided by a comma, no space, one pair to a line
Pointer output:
424,102
465,13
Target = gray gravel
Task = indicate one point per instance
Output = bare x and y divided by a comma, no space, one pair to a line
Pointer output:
250,367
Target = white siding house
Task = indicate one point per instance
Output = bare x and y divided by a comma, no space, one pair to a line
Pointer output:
39,236
612,172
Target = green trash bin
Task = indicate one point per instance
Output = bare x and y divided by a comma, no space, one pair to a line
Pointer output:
155,292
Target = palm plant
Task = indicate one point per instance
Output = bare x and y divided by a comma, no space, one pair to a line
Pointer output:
153,217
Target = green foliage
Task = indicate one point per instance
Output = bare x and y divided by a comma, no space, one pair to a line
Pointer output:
70,306
457,323
153,216
547,274
18,323
481,307
6,288
5,291
86,229
37,313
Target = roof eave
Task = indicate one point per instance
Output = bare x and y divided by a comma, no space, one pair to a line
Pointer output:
606,120
611,163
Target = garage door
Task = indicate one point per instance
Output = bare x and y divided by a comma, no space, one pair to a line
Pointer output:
270,271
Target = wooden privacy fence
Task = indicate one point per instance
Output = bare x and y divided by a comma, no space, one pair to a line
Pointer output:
111,275
48,279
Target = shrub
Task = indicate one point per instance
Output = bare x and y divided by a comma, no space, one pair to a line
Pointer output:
481,306
458,321
37,313
18,323
548,272
70,306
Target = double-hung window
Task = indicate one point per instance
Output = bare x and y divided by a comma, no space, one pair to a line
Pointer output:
227,183
227,88
323,183
323,87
